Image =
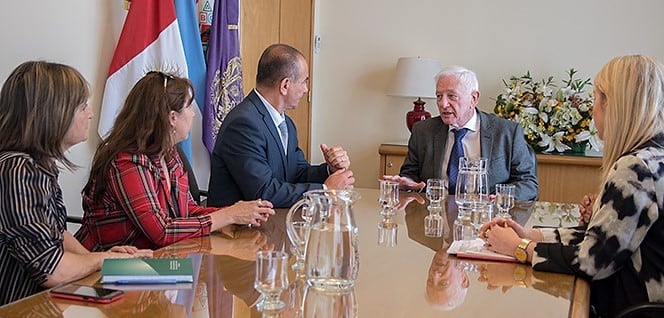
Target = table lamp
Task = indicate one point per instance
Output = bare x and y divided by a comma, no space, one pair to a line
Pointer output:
414,77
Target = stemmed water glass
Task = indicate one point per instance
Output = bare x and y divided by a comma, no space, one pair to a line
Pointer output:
271,279
435,191
298,225
298,236
505,199
389,197
433,223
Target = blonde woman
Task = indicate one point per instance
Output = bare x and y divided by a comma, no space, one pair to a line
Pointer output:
620,250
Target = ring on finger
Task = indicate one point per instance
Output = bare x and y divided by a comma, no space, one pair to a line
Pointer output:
260,203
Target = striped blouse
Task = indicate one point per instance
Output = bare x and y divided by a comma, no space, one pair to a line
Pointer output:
32,220
137,209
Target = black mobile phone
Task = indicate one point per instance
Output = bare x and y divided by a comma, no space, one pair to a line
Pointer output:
87,293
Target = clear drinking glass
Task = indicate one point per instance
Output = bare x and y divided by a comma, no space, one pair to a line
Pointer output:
436,191
389,197
298,246
505,199
271,279
298,224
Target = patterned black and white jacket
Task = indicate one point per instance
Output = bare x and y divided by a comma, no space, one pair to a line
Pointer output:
621,251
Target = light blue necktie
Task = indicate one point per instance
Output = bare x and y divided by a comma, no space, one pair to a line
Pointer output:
283,128
455,154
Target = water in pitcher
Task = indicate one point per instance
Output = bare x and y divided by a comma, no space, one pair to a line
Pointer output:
332,259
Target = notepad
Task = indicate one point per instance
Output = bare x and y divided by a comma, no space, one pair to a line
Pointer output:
141,271
476,249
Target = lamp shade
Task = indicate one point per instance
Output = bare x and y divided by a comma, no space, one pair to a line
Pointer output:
414,77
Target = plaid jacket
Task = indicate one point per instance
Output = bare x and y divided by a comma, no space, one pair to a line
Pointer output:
137,208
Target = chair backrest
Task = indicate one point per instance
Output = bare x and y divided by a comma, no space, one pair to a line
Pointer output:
193,185
643,310
73,223
74,219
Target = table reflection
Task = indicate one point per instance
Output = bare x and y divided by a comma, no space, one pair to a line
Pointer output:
501,276
404,274
447,283
224,264
235,251
448,277
417,208
388,230
325,304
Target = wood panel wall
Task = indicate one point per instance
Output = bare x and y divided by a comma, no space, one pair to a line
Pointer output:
265,22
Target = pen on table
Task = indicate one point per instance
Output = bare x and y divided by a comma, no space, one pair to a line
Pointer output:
145,282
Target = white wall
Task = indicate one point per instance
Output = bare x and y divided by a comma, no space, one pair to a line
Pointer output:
361,42
81,33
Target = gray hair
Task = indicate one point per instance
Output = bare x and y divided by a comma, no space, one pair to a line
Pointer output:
465,76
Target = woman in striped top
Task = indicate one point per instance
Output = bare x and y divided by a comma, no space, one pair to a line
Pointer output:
43,112
138,191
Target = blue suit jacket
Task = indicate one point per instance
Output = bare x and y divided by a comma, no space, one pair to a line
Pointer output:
248,161
510,158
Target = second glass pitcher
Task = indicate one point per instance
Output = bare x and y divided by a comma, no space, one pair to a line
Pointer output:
472,185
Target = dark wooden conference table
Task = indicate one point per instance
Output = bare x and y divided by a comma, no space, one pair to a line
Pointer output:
413,278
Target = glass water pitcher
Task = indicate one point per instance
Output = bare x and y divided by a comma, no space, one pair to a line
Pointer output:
331,258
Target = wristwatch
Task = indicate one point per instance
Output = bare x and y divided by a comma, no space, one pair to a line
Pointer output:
521,253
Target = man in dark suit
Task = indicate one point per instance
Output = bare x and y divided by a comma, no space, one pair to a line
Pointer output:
509,158
256,154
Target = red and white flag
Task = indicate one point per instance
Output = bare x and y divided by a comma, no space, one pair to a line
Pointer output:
150,40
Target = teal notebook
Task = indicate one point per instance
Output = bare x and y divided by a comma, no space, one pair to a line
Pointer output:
136,271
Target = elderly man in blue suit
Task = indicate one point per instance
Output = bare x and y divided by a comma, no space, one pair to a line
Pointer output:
476,133
256,154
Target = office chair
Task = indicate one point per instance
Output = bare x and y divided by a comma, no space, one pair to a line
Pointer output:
74,219
643,310
196,192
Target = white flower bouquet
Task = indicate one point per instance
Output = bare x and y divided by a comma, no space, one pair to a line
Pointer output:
553,119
